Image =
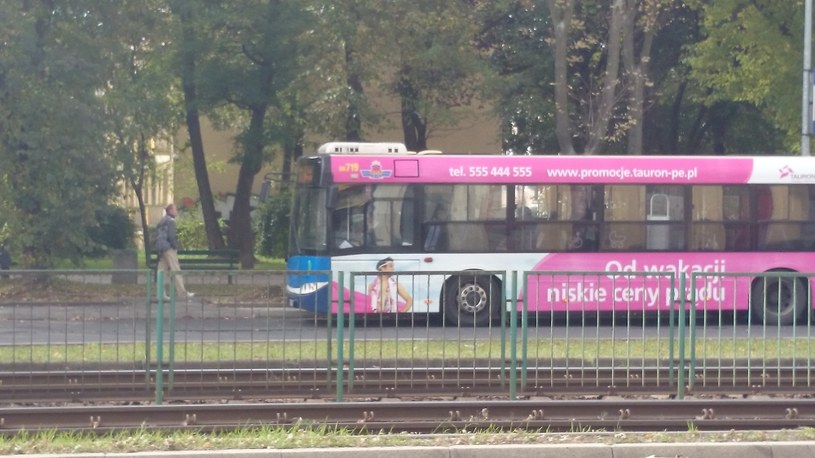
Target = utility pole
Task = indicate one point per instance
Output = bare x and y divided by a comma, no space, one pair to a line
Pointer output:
806,112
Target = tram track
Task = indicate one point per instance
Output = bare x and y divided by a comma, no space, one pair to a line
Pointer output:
427,417
217,384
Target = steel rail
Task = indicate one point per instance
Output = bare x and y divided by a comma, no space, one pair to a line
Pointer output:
427,416
299,383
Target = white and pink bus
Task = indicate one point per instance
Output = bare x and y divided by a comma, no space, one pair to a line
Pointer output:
369,207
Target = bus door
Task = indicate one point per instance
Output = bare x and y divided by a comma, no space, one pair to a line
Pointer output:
375,239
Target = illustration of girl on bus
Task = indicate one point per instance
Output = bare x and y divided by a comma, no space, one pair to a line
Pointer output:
384,292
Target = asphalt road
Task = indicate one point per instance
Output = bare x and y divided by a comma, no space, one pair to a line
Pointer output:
206,321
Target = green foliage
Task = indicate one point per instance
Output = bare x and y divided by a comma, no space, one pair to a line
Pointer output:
191,232
54,173
521,82
113,231
139,96
751,53
246,74
88,87
439,70
272,225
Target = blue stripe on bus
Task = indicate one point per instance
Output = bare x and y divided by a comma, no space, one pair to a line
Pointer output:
300,264
315,300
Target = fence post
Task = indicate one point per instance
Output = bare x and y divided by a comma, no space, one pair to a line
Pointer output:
329,329
680,383
503,331
351,332
148,284
525,328
513,336
692,332
160,338
171,349
340,338
672,330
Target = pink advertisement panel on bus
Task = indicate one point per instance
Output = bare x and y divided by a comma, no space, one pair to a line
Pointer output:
571,169
644,281
588,281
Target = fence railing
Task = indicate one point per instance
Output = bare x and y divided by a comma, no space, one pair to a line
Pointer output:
103,334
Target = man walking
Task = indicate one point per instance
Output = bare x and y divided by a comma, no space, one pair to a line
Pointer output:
166,246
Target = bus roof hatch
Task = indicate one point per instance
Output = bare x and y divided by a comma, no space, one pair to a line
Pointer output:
361,148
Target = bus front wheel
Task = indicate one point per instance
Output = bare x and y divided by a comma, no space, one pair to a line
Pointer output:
779,300
471,300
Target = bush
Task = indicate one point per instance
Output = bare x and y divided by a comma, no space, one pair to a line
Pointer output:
191,232
272,226
114,230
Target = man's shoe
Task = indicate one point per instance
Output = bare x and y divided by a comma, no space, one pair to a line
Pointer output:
166,297
190,294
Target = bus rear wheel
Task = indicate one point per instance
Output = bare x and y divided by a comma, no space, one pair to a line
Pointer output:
779,300
471,300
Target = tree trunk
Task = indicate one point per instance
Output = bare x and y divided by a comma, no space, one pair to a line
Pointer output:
632,78
353,117
414,127
698,130
214,237
598,124
137,183
636,75
675,119
240,230
561,12
290,156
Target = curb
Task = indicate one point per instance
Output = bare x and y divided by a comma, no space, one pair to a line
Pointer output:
803,449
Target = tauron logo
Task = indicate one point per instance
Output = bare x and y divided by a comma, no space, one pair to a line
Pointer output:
787,172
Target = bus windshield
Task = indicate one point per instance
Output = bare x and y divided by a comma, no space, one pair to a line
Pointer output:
309,232
373,216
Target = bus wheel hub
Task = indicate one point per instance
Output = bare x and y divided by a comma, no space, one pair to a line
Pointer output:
472,298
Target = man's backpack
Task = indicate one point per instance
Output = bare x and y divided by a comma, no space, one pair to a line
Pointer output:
162,242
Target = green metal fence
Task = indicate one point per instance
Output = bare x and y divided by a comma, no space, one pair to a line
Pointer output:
775,353
88,335
586,347
61,329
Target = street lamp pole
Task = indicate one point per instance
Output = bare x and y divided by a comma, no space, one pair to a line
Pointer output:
806,112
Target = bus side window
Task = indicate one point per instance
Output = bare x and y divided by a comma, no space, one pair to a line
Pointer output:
570,218
389,202
782,213
435,229
707,228
492,215
664,217
349,228
808,236
407,219
737,218
624,214
435,217
552,235
524,230
470,212
584,214
349,217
